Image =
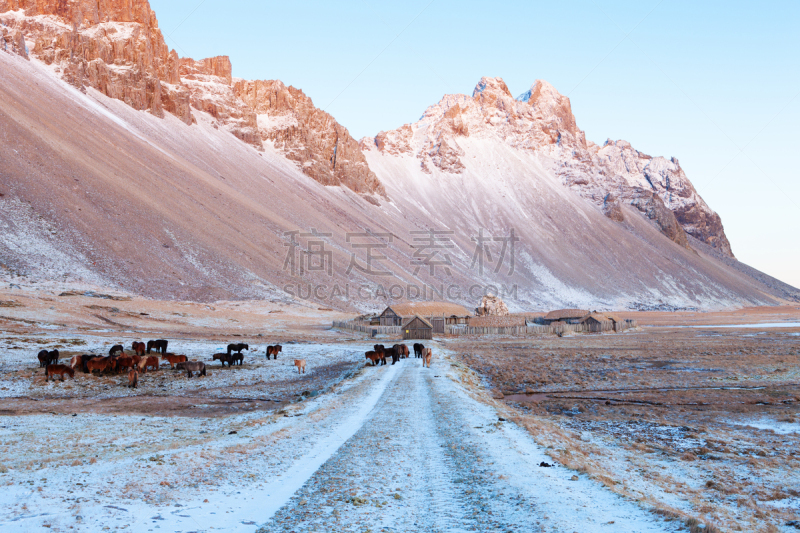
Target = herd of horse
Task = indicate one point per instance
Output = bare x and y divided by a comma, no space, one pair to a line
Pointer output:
380,353
140,362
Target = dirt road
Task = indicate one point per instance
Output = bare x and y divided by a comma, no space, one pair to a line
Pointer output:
395,448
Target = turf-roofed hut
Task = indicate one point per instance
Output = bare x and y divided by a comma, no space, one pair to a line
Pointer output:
437,313
417,328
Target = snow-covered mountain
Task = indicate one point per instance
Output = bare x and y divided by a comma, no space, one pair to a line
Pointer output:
541,122
127,166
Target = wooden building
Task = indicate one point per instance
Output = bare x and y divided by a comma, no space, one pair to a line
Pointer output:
568,316
417,328
438,313
597,323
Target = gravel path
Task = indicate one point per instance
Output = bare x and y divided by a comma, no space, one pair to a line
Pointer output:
431,458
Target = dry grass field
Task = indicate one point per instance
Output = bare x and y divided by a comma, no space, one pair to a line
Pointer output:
699,423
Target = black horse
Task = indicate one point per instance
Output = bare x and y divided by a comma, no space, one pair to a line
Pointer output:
48,358
237,348
418,349
116,349
160,346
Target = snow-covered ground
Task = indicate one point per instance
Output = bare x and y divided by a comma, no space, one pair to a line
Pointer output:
397,447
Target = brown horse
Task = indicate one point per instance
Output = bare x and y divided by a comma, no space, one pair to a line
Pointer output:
193,366
133,378
404,351
60,370
138,348
381,351
274,351
374,357
236,358
222,358
83,361
173,359
427,355
125,363
149,362
301,365
100,364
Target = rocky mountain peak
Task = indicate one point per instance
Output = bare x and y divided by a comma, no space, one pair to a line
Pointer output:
541,121
491,88
115,47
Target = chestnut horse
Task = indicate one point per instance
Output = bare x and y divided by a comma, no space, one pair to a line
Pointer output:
148,362
60,370
138,348
98,363
274,351
427,355
301,365
173,359
133,378
403,349
125,363
374,357
222,358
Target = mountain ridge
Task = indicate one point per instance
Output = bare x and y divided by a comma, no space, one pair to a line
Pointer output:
203,200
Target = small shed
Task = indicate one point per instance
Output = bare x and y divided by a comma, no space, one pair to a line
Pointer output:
390,318
417,329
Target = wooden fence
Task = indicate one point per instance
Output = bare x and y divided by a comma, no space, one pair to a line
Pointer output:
516,331
363,327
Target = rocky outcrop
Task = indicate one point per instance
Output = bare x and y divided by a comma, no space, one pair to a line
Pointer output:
322,147
541,121
13,42
492,306
211,90
114,46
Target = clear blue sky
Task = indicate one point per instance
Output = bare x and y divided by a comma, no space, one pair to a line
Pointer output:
714,84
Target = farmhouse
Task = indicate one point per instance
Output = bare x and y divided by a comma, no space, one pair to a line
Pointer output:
417,328
437,313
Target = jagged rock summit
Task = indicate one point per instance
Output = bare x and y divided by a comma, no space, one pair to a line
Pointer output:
117,48
541,121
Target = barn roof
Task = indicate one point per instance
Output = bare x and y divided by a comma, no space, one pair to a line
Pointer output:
566,313
429,309
496,321
417,317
